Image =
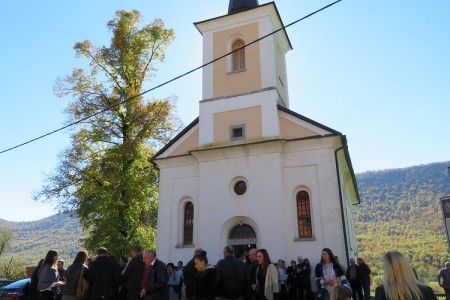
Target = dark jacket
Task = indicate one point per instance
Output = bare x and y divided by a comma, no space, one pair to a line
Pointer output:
72,276
33,293
157,288
251,268
303,273
133,276
427,293
364,271
347,273
104,278
231,279
189,277
292,276
205,288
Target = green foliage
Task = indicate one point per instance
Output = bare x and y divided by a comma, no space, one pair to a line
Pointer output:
106,176
5,240
12,268
400,210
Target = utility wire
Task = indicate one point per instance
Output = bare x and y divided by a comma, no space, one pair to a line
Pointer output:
167,82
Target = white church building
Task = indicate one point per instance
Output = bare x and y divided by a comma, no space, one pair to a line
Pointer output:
249,172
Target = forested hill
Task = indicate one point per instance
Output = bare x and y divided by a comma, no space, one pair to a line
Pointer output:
33,239
400,210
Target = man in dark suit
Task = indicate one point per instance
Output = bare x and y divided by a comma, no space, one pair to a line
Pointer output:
154,281
133,273
231,276
251,265
103,276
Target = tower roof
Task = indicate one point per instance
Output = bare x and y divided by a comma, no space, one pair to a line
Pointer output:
241,5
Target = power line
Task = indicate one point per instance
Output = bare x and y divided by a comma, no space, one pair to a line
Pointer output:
167,82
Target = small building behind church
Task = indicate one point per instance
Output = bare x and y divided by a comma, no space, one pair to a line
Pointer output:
249,172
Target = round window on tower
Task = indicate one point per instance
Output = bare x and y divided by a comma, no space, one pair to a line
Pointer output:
240,187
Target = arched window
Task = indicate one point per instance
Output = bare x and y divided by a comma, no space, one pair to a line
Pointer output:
188,225
238,57
304,215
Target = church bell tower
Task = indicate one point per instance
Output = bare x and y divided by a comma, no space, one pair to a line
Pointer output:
242,90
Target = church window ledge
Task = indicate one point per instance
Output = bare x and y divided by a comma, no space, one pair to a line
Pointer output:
309,239
237,71
185,246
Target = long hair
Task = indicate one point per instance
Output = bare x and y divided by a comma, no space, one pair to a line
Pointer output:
81,257
399,280
306,262
49,258
266,259
40,263
330,254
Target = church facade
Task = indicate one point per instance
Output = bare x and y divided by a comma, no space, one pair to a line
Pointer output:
249,172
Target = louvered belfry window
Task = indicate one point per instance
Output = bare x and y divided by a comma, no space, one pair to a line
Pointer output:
238,57
304,215
188,231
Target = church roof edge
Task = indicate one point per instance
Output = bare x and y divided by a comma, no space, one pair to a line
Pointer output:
297,115
176,138
350,166
262,5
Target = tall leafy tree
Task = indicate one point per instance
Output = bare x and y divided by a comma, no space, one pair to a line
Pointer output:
105,176
6,238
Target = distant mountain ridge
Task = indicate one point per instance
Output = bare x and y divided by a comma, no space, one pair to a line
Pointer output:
33,239
399,210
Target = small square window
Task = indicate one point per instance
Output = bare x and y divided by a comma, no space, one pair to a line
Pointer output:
237,132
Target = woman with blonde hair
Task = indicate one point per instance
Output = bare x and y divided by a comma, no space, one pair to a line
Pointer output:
341,292
399,282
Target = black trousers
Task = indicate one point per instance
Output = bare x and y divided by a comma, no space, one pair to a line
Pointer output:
305,291
46,295
356,289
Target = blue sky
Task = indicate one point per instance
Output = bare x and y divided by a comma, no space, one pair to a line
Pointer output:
377,71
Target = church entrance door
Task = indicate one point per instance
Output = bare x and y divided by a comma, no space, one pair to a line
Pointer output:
242,237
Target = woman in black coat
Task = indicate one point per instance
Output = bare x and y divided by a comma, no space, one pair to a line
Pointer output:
32,292
205,285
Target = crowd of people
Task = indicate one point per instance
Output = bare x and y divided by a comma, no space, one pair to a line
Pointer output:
253,277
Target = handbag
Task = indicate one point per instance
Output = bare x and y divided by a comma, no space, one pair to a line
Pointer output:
82,286
321,294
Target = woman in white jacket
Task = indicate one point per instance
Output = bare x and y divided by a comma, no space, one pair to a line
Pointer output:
266,277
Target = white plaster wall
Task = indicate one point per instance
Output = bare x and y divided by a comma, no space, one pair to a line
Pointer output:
260,203
267,54
266,99
175,184
207,72
275,172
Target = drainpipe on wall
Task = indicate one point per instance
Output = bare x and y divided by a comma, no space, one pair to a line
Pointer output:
341,200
